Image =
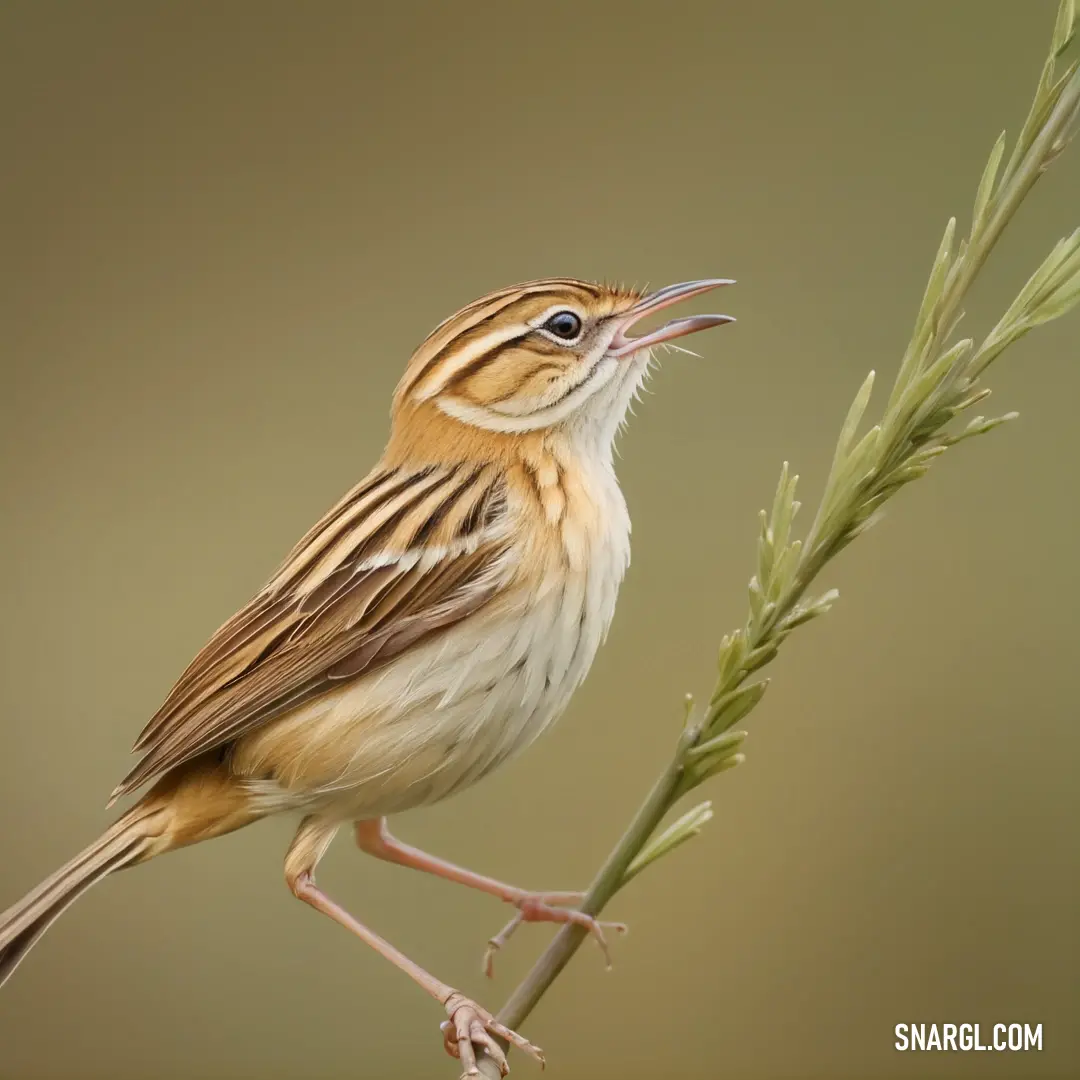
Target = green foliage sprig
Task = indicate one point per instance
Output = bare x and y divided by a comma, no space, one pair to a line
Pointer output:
939,381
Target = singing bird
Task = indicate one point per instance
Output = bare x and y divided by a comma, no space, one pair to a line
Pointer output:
430,626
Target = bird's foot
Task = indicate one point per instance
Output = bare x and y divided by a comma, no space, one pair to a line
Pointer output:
550,907
472,1029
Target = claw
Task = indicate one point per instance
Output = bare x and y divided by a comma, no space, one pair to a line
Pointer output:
471,1027
498,941
544,907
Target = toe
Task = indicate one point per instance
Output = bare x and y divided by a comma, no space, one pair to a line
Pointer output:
471,1029
481,1038
498,941
517,1040
465,1050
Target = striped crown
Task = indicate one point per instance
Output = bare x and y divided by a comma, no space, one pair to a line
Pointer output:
523,358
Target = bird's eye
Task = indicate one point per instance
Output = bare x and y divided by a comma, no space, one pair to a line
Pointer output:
564,324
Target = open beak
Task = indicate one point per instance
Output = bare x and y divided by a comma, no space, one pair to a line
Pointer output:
621,345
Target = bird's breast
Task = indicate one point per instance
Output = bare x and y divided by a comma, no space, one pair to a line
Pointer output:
452,708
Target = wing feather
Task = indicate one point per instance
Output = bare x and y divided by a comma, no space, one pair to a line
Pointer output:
404,555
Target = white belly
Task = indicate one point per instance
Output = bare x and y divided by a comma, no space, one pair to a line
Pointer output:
450,710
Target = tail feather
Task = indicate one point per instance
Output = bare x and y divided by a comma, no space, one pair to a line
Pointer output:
129,841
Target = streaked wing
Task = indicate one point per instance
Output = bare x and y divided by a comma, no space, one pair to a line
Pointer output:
404,555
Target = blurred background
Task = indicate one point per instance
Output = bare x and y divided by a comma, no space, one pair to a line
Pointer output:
225,229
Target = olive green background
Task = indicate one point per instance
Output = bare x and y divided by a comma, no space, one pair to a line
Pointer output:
227,226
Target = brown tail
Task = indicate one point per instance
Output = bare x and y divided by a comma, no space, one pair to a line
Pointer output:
130,840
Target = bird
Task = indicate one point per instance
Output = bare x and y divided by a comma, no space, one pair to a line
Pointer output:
425,630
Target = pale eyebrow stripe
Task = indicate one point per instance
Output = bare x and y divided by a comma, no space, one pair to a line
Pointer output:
499,304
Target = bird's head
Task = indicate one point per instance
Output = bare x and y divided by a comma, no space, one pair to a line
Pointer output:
545,354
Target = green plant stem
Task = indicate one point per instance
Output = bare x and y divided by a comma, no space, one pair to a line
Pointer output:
607,882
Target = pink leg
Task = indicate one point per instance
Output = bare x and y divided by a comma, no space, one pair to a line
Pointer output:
470,1027
375,838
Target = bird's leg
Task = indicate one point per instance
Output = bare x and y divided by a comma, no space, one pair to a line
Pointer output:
470,1028
375,838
